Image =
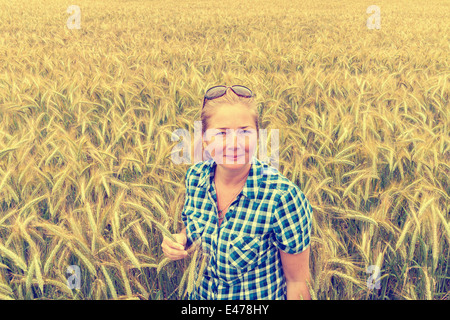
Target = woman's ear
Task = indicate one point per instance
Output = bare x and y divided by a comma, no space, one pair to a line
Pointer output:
204,144
206,151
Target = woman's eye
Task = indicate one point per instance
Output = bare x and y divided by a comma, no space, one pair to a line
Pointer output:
239,132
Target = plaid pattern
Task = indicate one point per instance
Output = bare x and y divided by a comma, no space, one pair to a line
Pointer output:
270,213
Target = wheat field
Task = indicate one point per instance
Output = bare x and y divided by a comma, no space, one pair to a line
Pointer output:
87,115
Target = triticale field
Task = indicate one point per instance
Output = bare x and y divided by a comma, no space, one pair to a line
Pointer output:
90,95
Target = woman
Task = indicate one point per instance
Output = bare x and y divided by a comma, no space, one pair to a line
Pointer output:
254,223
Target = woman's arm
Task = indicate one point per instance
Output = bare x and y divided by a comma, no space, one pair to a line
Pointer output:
296,271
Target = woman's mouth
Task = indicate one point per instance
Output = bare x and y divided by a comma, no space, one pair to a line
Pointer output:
235,159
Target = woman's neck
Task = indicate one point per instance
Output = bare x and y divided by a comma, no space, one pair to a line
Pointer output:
233,177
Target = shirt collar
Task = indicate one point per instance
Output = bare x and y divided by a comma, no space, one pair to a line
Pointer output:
254,178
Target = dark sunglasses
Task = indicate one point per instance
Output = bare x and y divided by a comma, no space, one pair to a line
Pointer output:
218,91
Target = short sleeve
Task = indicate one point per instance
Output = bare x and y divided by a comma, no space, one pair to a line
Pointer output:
291,222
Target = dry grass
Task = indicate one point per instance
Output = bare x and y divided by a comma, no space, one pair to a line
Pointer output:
86,117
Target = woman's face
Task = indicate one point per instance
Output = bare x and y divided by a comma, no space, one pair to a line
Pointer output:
231,136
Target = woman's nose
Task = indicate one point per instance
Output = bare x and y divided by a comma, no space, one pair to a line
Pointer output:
234,137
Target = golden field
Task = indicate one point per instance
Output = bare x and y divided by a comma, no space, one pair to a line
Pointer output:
86,117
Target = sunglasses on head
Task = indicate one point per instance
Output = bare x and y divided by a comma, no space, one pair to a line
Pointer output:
218,91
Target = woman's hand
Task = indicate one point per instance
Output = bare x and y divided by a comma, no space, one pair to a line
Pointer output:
175,250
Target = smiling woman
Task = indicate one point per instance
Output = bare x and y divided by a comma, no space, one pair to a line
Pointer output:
255,226
226,111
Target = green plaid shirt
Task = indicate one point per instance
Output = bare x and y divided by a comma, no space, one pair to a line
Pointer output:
270,213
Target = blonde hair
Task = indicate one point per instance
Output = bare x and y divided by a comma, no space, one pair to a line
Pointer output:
229,98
